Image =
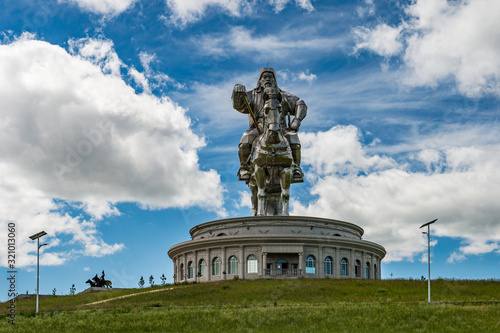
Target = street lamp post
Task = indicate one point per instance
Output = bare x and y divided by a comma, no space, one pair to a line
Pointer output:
428,224
37,237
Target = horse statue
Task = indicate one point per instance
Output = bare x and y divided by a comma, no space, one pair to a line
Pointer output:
271,161
92,283
100,282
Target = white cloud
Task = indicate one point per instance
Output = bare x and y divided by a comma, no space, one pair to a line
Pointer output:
244,42
73,131
369,9
305,4
99,52
188,11
455,257
288,75
155,78
383,39
339,151
245,200
184,12
104,7
444,39
390,202
279,5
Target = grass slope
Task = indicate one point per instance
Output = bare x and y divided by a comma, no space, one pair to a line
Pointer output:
302,305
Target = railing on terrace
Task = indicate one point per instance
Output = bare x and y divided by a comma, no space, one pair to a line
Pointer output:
293,271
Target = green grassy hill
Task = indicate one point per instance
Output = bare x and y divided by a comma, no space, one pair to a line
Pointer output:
302,305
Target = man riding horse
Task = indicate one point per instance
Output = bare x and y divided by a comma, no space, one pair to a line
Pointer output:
291,105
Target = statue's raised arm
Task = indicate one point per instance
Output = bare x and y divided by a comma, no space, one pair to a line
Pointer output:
265,147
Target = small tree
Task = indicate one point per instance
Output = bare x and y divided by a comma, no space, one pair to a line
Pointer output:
163,279
141,282
72,289
151,280
54,291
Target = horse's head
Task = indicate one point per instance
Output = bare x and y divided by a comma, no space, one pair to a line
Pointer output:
88,281
272,115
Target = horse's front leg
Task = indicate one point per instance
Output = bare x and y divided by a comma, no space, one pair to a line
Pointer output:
253,193
260,180
285,180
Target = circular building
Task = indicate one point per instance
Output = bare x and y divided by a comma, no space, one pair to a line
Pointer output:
275,247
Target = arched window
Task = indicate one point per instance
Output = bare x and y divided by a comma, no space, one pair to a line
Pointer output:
337,235
201,267
216,266
310,264
233,265
344,268
252,264
182,272
357,268
328,266
190,270
367,270
221,234
375,271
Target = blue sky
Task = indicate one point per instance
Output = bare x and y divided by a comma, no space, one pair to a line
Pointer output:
118,135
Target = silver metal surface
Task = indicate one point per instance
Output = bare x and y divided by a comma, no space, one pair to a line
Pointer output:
269,150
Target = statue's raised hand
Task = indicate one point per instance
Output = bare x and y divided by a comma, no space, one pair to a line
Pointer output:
239,92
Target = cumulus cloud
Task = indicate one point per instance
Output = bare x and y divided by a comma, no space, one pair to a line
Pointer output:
103,7
390,201
76,136
383,39
444,39
183,12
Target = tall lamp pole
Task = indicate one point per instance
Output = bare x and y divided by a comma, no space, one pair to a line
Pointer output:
428,224
37,237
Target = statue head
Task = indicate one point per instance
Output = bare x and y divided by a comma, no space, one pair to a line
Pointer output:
267,78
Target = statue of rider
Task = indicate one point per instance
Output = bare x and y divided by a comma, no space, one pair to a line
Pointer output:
291,106
102,278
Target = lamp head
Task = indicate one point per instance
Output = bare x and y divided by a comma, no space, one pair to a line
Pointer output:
428,223
38,235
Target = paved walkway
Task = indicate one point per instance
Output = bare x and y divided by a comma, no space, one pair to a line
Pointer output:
135,294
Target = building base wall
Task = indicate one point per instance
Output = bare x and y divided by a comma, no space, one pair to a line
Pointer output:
276,247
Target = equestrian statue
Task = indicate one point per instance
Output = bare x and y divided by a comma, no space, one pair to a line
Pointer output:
269,151
99,282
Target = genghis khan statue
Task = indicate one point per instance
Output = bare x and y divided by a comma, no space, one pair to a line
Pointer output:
291,105
269,151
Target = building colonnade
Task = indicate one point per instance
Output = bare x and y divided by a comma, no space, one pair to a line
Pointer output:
228,262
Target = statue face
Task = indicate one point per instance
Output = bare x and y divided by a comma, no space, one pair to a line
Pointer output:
267,80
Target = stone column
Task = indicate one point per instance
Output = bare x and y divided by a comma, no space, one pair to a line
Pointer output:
379,268
351,263
224,263
301,265
321,263
242,263
176,269
195,266
372,268
264,263
209,265
363,268
336,265
185,267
